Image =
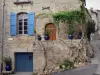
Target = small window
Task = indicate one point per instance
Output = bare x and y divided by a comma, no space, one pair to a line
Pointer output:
22,23
22,1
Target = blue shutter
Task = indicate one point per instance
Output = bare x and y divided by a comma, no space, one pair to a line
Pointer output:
31,22
12,24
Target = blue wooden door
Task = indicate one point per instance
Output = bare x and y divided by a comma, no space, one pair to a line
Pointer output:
24,62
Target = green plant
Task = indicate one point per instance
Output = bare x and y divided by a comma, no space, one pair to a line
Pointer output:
71,18
47,33
67,65
34,31
38,35
7,60
70,29
90,28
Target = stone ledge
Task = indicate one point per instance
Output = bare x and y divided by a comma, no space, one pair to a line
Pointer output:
7,72
26,2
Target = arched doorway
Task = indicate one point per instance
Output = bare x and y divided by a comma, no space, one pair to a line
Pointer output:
52,31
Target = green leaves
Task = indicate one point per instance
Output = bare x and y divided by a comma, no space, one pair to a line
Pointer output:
7,60
68,16
67,65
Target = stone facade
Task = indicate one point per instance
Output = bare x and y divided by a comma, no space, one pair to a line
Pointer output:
95,14
25,43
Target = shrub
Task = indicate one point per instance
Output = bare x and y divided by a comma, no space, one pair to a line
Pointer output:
67,65
7,60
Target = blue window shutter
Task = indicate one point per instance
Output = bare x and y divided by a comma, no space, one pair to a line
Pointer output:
12,24
31,22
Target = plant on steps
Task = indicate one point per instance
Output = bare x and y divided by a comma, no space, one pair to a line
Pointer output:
67,65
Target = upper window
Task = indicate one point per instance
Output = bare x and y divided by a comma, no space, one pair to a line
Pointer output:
22,23
22,1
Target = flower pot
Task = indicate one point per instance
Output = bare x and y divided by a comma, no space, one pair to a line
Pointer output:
8,67
46,37
39,38
70,36
79,35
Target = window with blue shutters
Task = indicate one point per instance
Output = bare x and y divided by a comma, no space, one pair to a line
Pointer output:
22,24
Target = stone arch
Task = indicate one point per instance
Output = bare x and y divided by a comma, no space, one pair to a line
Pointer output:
52,30
22,13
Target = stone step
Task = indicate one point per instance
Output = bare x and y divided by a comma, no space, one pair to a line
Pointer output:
23,73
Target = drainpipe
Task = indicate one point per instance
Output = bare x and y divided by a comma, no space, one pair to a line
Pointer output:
2,38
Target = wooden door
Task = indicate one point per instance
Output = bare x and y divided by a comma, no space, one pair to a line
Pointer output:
52,30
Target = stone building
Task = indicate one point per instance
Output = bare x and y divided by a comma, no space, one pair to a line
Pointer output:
22,24
95,14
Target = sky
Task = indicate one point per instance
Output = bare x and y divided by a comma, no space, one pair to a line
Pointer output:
93,3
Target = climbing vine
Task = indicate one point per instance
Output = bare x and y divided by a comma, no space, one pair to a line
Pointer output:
71,18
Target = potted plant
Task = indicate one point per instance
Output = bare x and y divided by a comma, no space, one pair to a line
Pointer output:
39,37
79,35
71,32
34,31
47,35
8,62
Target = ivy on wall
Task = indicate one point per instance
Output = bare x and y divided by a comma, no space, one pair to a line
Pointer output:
69,17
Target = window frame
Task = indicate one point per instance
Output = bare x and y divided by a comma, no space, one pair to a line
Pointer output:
23,2
23,25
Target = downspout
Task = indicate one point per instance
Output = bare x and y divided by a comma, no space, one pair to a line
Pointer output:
2,45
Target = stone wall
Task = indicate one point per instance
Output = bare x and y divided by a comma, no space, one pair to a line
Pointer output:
95,14
56,52
1,17
13,44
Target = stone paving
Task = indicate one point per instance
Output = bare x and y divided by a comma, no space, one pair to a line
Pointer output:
86,70
23,73
96,60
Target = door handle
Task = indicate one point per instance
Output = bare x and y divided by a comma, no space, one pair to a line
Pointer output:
30,57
